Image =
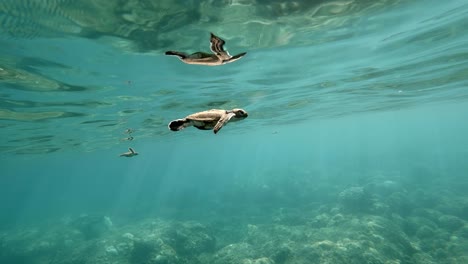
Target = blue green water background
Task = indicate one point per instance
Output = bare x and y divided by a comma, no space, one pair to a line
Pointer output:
343,97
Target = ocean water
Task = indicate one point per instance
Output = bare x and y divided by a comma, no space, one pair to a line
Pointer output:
355,149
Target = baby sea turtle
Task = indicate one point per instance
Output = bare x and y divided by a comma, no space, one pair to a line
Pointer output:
218,57
129,154
211,119
128,131
127,138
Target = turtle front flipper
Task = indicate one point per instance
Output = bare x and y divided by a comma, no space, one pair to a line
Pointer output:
234,58
178,124
222,121
217,45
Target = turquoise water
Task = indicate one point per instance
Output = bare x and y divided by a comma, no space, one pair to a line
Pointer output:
354,151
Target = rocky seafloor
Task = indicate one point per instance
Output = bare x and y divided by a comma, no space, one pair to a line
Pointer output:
375,223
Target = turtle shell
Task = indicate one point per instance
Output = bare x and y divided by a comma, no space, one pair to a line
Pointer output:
206,120
212,115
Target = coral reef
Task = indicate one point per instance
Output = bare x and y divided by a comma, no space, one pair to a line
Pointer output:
91,226
355,199
361,225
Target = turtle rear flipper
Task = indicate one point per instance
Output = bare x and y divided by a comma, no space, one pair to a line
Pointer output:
179,54
178,124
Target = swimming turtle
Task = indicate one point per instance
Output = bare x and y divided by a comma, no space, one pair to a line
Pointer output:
131,152
128,131
207,120
127,138
218,57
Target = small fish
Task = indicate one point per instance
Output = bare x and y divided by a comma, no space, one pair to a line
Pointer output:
129,154
127,139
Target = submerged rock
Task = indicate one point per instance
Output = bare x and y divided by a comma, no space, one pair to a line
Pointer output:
343,251
417,226
129,236
111,250
190,239
234,254
450,222
463,232
400,203
152,251
91,226
385,187
425,232
355,199
258,261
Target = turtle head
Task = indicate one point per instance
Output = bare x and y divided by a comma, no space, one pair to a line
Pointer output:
239,113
